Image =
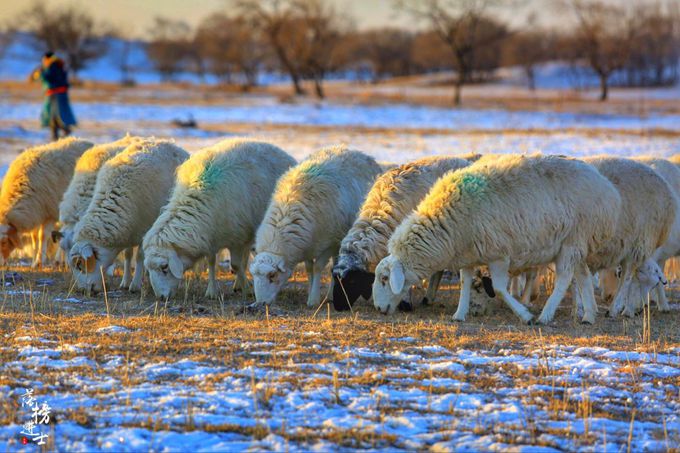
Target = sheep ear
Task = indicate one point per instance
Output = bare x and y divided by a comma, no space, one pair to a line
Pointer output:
397,277
176,266
86,251
280,267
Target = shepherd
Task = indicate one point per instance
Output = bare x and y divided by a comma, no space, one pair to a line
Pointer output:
56,113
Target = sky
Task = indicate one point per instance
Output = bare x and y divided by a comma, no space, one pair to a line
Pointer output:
134,17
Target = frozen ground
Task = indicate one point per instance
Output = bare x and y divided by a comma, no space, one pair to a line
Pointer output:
395,133
269,111
307,390
181,381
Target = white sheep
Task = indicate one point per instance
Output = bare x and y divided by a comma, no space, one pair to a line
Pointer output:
31,192
78,195
671,174
220,197
131,189
393,196
647,216
312,209
511,213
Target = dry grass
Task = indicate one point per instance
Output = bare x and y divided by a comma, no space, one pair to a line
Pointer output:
222,333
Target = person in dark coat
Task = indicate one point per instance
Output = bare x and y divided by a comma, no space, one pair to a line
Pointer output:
56,113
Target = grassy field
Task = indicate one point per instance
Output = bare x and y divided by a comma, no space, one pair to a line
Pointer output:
129,372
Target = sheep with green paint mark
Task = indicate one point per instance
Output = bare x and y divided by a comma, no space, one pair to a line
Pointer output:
312,209
508,212
393,196
220,197
131,189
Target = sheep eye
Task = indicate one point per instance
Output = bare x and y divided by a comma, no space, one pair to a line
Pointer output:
384,279
164,268
271,277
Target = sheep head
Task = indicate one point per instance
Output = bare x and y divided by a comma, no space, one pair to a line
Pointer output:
349,286
270,272
9,240
391,285
166,269
650,275
86,260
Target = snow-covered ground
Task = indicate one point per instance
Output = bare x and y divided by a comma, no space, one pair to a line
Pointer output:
267,110
405,395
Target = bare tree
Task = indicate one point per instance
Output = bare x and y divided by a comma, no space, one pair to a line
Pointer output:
168,46
604,36
389,51
655,51
230,45
69,30
529,47
324,32
285,33
464,26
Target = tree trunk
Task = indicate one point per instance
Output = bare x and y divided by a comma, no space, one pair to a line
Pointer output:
296,83
531,77
457,97
604,87
318,87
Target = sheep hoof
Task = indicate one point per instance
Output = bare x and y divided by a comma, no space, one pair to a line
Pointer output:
588,321
405,306
425,301
532,322
458,318
135,288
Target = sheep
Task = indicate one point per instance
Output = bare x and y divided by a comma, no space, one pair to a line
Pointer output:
31,191
78,195
511,213
131,189
312,209
393,196
219,200
671,174
647,216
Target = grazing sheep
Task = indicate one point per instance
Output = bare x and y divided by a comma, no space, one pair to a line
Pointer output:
31,191
671,174
647,216
393,196
312,209
511,213
131,189
219,200
79,194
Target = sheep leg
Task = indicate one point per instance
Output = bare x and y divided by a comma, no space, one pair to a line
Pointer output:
136,284
661,299
531,276
432,287
623,290
37,257
516,285
211,292
127,264
466,276
245,258
499,276
314,297
564,272
585,292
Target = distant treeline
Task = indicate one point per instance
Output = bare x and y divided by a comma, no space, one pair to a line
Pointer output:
635,43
